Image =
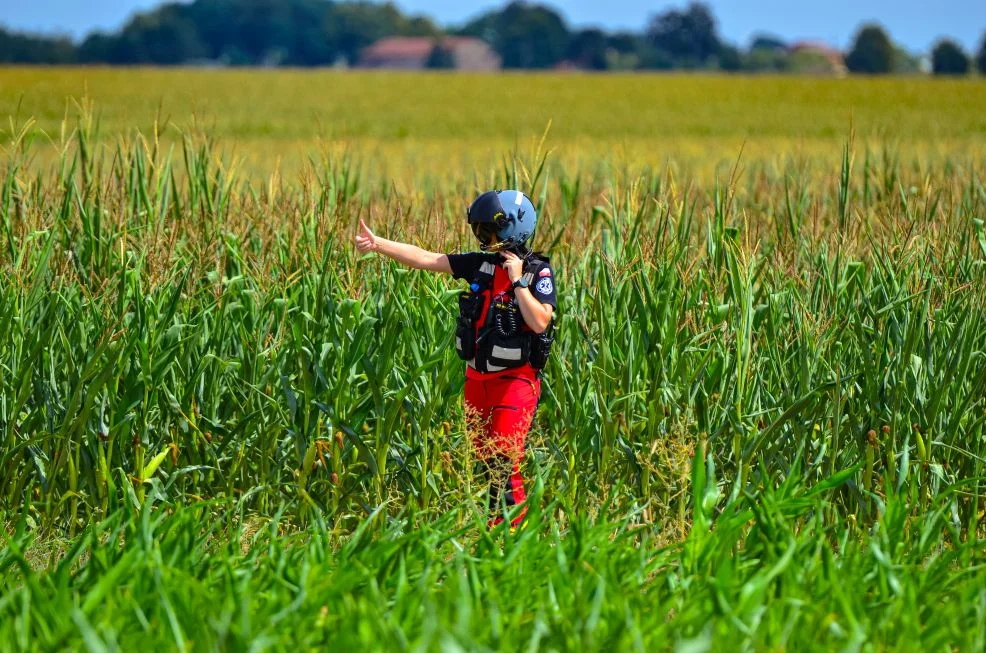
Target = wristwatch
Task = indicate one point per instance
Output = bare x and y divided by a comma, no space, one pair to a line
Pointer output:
520,283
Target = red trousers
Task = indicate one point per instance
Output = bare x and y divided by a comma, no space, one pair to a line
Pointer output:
499,412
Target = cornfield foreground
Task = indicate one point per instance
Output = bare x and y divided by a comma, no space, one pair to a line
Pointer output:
223,429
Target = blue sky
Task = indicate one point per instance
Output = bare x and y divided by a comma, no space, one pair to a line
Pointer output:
914,23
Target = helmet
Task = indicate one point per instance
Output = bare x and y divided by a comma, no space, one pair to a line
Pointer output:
502,220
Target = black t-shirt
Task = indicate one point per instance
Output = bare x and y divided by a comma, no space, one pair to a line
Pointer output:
540,279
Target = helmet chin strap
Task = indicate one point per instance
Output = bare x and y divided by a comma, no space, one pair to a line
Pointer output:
504,246
498,246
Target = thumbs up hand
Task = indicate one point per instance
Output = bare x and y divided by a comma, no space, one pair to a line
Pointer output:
365,240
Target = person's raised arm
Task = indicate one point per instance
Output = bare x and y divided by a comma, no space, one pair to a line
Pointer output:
409,255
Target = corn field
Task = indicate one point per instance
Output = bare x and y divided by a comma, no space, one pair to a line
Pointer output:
223,428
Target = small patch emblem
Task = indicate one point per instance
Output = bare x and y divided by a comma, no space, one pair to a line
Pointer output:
545,273
544,286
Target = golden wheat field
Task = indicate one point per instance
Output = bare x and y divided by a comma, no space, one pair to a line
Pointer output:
409,125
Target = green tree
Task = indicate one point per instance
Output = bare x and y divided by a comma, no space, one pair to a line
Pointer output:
355,25
623,42
981,57
164,37
689,37
652,58
906,63
730,59
767,60
767,53
623,50
251,32
872,53
419,26
949,59
308,44
588,49
525,36
441,56
266,31
98,48
809,62
768,42
27,48
237,32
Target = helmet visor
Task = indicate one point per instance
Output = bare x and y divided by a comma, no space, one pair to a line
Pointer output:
485,232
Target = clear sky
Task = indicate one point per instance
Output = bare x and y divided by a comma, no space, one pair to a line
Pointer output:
917,24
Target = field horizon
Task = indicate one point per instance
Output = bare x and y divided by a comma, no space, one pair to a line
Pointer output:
432,123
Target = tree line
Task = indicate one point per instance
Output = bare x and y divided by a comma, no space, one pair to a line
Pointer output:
529,36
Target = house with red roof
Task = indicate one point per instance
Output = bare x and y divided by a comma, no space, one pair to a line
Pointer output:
413,53
814,57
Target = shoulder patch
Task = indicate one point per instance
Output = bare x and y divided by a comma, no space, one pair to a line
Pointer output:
544,286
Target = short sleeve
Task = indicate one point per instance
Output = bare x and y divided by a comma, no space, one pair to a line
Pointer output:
543,286
465,266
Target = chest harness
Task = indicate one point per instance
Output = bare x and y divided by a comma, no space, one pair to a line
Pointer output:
490,333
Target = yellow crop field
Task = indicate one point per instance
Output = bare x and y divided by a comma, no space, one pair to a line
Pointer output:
442,123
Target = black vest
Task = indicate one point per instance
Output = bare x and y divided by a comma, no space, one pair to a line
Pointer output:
491,334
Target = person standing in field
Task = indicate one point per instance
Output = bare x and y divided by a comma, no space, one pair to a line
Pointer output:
504,332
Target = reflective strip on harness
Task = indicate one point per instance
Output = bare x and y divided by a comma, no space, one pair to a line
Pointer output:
529,277
505,354
495,368
487,268
458,343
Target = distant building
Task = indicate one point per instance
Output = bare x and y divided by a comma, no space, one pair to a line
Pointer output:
412,53
817,58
